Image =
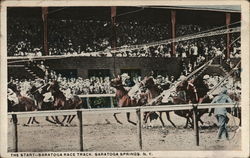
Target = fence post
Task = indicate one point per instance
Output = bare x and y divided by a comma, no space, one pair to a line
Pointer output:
88,104
111,102
139,132
196,127
15,138
79,115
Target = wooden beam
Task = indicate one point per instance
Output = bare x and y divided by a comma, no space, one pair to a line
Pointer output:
228,21
80,120
139,132
114,110
45,30
15,135
196,127
173,28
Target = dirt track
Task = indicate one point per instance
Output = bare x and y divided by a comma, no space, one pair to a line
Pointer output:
102,133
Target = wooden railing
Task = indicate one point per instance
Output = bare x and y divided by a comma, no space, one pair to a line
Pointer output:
139,111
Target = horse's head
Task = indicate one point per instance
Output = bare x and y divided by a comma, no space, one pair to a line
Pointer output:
148,82
53,87
116,82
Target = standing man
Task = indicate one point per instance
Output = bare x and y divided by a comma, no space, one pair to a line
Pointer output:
221,114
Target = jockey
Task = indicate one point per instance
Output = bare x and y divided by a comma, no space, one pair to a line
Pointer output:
67,92
202,87
12,96
188,90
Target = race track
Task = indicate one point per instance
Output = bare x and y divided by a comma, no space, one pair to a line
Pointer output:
102,133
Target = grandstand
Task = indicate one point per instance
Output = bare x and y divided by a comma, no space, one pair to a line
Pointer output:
88,34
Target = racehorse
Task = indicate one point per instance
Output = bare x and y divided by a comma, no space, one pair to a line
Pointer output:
124,100
185,93
19,103
42,102
153,91
194,92
61,103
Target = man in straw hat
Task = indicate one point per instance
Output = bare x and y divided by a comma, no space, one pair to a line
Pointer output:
221,114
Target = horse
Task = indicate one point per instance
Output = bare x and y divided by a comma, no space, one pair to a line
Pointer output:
194,92
123,98
153,91
62,103
176,96
19,103
43,103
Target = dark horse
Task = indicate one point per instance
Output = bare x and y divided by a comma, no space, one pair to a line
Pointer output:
124,100
153,91
185,93
38,94
196,93
23,104
61,103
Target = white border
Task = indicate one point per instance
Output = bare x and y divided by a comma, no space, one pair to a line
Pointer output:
245,66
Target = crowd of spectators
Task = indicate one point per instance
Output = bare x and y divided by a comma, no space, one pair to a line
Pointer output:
93,38
24,37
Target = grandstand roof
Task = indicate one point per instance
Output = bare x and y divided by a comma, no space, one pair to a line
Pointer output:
221,8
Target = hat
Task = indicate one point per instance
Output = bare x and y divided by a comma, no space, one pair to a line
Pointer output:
205,77
159,76
182,78
125,75
223,91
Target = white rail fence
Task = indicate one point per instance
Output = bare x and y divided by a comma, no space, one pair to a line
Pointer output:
138,110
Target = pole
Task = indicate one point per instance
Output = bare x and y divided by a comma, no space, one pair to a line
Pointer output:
79,115
196,128
228,21
88,104
173,22
111,102
113,35
15,137
45,30
139,132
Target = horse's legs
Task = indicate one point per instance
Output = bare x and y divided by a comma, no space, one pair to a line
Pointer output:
34,120
145,117
200,113
53,118
47,119
168,117
116,118
56,119
64,118
69,117
128,118
187,121
163,125
29,121
72,118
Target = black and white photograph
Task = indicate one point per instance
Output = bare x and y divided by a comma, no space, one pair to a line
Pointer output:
122,80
